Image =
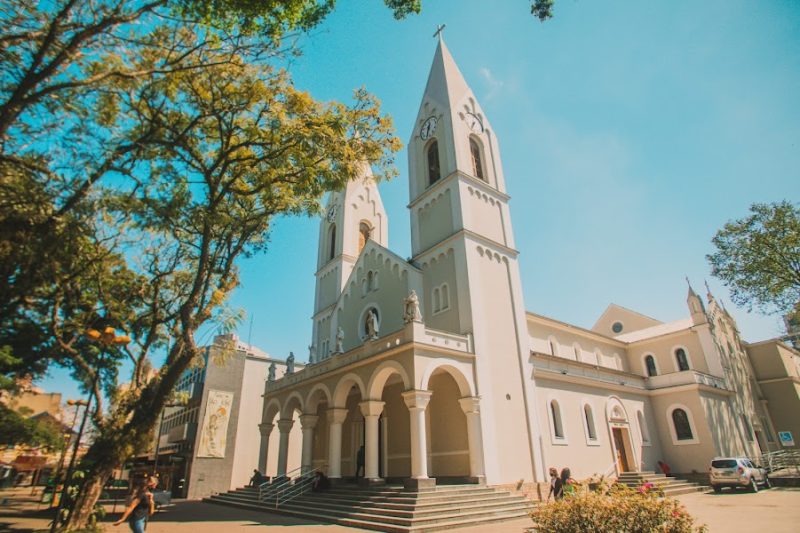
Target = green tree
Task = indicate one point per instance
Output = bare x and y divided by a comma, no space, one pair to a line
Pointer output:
17,429
758,258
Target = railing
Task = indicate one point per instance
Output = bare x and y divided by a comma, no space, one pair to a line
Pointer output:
686,377
779,460
287,487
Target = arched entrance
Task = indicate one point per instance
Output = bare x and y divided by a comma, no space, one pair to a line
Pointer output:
388,382
621,442
446,425
346,428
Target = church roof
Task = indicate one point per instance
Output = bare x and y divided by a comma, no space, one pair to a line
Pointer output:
446,84
656,331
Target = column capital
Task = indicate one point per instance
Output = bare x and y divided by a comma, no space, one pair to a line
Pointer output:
470,404
337,415
266,429
416,399
308,421
285,425
371,407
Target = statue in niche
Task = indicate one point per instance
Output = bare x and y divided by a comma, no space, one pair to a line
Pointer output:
411,313
290,363
340,340
271,374
372,324
311,353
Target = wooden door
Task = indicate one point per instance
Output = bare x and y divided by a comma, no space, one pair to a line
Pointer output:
619,445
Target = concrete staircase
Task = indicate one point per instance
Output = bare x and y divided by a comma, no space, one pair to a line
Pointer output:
392,508
670,485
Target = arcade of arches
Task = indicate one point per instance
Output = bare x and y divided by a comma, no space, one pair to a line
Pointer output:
408,433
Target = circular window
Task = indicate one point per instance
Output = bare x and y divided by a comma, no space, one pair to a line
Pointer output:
616,327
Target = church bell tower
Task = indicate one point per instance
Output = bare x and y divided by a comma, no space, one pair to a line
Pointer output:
352,216
462,240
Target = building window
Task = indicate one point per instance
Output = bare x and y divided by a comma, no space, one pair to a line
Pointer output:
364,232
616,327
553,347
590,430
433,163
683,429
682,360
445,297
555,413
643,428
437,300
650,365
441,298
477,160
332,242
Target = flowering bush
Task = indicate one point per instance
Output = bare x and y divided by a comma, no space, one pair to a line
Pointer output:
615,509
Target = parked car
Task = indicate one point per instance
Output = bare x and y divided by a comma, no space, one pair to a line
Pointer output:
736,472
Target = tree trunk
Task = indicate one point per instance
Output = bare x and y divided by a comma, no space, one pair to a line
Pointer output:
90,492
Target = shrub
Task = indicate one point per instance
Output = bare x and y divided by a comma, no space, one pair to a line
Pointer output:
615,509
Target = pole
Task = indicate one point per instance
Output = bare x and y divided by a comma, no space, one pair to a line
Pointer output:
72,460
63,456
158,443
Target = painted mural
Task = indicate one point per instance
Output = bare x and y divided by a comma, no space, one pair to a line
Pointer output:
215,424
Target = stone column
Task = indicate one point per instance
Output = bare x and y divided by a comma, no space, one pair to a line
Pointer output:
266,431
472,409
284,426
371,409
307,423
336,416
417,402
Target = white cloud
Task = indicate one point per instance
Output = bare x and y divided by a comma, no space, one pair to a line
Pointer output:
494,85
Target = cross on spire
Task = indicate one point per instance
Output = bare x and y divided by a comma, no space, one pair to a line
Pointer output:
439,30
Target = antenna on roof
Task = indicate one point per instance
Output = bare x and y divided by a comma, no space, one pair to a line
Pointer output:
250,332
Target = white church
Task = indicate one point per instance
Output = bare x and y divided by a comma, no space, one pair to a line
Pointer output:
435,366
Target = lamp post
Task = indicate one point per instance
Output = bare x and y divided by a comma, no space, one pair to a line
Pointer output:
106,339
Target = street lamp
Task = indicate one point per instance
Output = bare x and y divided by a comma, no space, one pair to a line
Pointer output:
107,338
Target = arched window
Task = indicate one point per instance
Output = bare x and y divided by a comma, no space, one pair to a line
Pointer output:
553,347
445,297
437,302
643,428
477,160
433,163
332,242
370,282
555,413
650,364
683,361
589,417
683,429
364,232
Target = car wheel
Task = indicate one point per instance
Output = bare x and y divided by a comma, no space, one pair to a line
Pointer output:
717,489
753,485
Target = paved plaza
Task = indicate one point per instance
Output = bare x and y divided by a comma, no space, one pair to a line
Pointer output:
776,511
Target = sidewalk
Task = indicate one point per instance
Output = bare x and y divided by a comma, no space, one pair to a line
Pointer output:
776,510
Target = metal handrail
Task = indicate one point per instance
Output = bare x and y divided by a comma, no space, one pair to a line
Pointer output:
268,489
300,486
779,460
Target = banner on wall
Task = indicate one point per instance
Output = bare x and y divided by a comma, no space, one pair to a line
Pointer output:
214,432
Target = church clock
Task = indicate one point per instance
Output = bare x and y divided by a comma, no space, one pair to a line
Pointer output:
474,122
332,213
428,128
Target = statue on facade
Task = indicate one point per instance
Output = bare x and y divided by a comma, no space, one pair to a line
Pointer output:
372,324
311,353
290,363
271,374
340,340
411,313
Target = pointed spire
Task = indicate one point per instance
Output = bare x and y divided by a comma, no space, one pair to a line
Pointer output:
709,296
446,85
691,290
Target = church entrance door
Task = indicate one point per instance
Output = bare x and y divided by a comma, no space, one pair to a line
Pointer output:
619,445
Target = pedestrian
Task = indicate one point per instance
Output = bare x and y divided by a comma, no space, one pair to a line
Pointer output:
568,485
321,482
257,478
554,481
360,462
141,507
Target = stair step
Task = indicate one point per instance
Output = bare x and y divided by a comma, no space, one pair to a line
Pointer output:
393,509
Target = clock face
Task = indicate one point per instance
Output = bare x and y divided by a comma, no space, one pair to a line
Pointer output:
474,122
332,213
427,129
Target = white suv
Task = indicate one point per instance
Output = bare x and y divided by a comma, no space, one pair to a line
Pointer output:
736,472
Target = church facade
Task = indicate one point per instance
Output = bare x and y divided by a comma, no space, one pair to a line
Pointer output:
435,367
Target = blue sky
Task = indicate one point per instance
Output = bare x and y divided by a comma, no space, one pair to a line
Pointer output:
629,132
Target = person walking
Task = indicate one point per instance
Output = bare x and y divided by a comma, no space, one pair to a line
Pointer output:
141,507
360,470
567,483
554,481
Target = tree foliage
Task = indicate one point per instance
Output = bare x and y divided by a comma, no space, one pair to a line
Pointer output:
758,258
16,429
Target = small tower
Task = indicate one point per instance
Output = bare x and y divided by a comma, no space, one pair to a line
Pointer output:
352,216
695,304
